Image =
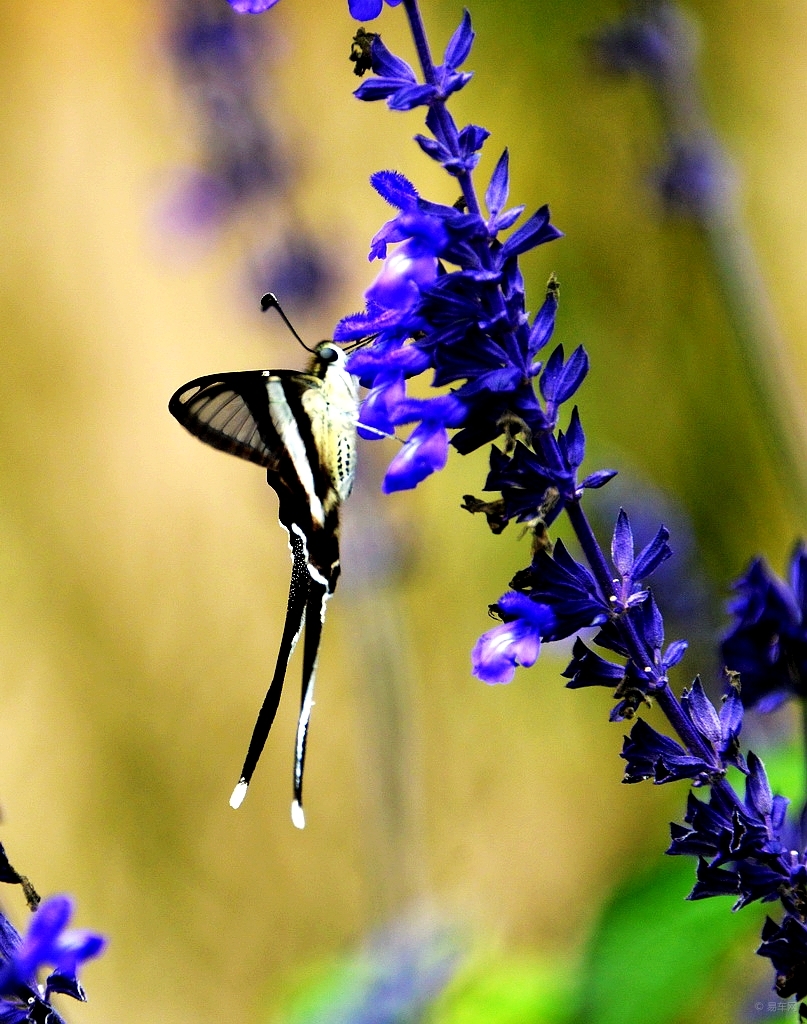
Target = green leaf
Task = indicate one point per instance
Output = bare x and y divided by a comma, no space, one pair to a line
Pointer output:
654,955
512,991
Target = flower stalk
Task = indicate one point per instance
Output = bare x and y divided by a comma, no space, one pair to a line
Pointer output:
450,298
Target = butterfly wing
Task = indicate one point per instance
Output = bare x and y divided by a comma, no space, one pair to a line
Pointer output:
230,411
294,426
302,428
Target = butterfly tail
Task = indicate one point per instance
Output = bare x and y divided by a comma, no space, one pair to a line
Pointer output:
295,614
314,616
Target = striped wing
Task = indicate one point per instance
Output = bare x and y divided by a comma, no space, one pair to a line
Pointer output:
302,428
230,411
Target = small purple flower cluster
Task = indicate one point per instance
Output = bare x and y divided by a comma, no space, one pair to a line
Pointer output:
221,62
469,324
450,298
658,43
47,943
214,54
767,643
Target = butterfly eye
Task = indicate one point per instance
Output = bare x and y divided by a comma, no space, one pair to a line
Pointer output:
329,353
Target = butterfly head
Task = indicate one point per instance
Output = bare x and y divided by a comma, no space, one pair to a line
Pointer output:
328,356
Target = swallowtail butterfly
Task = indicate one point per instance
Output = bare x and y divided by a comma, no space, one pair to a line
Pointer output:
301,427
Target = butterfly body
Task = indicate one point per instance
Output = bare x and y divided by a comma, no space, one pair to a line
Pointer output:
302,428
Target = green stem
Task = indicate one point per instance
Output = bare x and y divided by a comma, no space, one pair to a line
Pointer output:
779,400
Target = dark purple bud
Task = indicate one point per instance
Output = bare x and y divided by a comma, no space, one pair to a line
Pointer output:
544,323
560,380
434,149
499,187
506,220
387,65
588,669
650,755
459,46
757,788
472,138
714,881
731,714
652,621
622,544
651,556
575,441
702,713
785,945
598,479
410,96
536,231
674,653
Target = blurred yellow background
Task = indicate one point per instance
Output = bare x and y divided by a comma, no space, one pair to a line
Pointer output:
143,576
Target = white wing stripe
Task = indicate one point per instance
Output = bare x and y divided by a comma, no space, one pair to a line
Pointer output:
287,430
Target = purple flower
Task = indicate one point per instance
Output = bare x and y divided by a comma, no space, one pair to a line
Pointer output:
516,642
744,848
651,755
396,82
469,325
632,570
367,10
767,643
425,452
659,43
251,6
786,947
642,45
567,587
47,942
695,179
406,272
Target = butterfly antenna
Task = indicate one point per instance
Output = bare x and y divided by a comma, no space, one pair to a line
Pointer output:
361,342
269,301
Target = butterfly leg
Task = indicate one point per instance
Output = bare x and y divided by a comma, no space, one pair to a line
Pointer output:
318,595
295,614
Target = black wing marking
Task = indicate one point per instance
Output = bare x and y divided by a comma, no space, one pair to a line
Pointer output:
230,411
314,619
295,616
307,601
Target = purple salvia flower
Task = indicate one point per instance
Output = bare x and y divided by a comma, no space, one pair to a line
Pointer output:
368,10
650,755
516,642
767,642
251,6
425,452
785,945
47,943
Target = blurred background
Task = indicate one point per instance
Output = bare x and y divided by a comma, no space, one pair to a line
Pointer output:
468,847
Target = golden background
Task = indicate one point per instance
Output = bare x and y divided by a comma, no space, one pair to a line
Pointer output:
143,577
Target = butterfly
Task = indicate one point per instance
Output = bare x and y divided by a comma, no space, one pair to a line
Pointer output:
301,427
